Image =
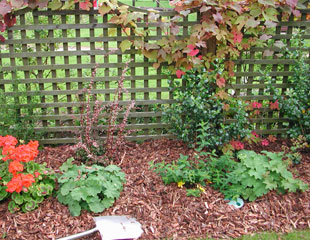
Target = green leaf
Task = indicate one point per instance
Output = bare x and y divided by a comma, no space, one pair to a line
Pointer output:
113,168
251,181
64,199
270,183
107,202
291,186
17,197
251,23
267,2
67,165
3,194
126,44
39,199
94,189
55,4
253,160
104,9
257,173
91,199
96,207
13,207
75,208
76,194
110,191
255,11
271,14
29,206
277,166
67,187
260,189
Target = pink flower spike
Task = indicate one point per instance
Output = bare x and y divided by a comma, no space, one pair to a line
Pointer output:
200,57
265,142
179,73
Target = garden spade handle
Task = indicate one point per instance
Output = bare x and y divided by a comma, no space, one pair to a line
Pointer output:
79,235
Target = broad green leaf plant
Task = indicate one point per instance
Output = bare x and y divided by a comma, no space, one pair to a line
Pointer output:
257,174
249,176
93,188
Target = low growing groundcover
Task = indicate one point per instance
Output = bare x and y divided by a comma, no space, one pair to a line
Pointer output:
164,210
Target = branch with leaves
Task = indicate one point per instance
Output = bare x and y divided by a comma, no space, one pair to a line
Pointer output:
225,29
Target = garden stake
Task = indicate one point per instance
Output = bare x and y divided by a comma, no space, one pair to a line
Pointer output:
112,227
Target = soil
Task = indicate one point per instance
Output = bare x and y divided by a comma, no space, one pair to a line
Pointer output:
164,211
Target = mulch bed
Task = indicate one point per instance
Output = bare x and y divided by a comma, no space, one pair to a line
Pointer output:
164,211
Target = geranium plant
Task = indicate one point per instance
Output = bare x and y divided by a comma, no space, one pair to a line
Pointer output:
22,179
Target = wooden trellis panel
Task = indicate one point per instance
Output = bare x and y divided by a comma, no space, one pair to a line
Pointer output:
49,57
249,83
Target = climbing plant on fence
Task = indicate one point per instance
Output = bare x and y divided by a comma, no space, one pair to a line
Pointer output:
61,46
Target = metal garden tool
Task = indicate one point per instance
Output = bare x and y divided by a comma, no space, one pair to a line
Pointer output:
112,227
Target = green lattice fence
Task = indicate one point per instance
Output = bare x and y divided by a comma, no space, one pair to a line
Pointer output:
249,83
49,56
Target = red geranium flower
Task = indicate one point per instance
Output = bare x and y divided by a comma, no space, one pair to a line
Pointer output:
15,167
27,180
15,185
7,151
8,141
19,182
26,153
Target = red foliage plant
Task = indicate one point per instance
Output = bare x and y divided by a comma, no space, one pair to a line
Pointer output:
237,145
91,133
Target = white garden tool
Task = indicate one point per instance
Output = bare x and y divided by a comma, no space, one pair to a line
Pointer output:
112,227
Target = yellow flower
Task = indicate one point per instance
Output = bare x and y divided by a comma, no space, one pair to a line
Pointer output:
200,188
180,184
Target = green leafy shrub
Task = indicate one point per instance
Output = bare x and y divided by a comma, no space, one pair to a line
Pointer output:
295,102
93,188
251,177
183,172
218,167
296,106
201,109
293,153
16,121
257,174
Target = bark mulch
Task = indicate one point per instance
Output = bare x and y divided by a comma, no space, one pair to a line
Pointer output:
164,211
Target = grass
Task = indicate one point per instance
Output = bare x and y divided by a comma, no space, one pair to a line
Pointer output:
295,235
